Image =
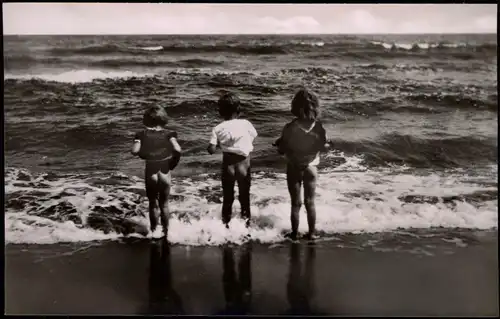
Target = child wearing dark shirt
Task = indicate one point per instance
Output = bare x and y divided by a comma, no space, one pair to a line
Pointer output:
301,141
161,152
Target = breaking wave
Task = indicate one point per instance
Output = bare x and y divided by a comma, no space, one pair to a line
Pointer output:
49,208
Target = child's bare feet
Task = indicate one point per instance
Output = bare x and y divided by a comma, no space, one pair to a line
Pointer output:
311,236
291,235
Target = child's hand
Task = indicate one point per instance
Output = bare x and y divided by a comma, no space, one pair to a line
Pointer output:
327,146
136,147
277,142
211,148
279,145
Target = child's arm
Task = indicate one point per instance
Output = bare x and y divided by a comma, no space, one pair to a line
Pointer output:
280,142
212,145
176,156
252,131
136,147
323,144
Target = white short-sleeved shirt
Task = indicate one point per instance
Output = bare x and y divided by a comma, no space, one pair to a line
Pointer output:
234,136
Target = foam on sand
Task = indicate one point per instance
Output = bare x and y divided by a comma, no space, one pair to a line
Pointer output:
47,210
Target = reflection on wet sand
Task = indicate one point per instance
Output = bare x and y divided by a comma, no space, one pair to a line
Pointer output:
237,283
163,299
300,287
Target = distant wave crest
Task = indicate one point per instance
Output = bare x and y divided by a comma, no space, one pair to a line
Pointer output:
269,48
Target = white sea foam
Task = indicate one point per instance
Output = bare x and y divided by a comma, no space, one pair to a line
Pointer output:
313,44
420,45
155,48
77,76
349,199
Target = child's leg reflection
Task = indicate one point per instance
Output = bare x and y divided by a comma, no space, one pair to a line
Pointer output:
163,299
237,289
300,287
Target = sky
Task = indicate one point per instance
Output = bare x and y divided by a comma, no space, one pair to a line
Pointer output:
182,18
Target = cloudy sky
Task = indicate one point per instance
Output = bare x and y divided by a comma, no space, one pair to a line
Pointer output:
155,18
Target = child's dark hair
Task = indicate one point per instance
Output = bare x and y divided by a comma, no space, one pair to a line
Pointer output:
305,105
229,104
155,116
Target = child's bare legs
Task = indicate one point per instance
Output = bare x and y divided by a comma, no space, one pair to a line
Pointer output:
295,177
164,192
244,179
152,193
235,168
228,180
158,190
294,182
309,178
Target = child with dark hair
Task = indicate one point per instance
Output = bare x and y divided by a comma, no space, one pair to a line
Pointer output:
301,141
161,151
235,137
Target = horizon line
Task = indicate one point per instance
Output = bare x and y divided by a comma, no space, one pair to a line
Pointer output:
208,34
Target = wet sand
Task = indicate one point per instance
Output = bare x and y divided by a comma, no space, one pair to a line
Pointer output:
139,277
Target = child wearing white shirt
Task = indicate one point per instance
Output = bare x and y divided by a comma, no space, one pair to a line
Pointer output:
235,138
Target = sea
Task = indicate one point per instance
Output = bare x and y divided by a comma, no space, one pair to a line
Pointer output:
413,120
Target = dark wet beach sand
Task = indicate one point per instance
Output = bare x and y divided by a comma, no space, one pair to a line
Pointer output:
326,278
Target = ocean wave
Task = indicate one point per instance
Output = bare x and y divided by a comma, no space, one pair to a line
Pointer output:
194,106
91,50
26,61
278,47
76,76
432,66
155,48
50,208
422,103
180,48
389,104
367,55
456,101
113,77
186,63
309,43
407,97
435,46
422,152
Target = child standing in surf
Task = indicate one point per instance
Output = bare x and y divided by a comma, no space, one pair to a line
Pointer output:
235,137
301,141
161,151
